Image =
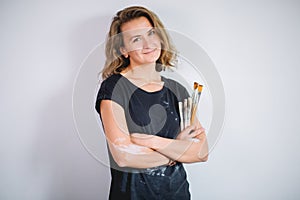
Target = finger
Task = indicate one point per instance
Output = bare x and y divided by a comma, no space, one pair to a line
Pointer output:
197,132
201,129
194,134
190,128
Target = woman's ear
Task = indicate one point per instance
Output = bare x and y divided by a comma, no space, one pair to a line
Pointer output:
124,52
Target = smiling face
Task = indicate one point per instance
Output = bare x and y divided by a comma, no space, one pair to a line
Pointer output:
141,42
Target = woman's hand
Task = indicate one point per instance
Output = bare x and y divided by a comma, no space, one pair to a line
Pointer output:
190,132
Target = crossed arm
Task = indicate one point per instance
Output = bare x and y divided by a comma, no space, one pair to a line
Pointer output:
145,151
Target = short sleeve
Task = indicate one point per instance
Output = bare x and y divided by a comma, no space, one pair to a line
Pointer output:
178,90
103,93
109,90
182,92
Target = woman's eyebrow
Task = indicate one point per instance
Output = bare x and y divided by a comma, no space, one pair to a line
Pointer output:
150,30
131,37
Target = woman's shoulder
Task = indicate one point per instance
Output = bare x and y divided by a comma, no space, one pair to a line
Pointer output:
176,87
109,90
172,83
114,78
110,82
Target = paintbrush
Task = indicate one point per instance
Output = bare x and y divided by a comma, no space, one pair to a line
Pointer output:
188,108
185,112
195,103
181,116
189,111
194,94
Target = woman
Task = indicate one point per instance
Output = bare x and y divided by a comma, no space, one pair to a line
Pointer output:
139,112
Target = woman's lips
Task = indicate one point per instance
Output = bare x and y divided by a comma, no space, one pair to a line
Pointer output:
149,51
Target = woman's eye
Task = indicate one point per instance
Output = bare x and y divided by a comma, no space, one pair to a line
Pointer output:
152,32
136,39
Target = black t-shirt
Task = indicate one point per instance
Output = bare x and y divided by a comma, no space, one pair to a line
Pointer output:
150,113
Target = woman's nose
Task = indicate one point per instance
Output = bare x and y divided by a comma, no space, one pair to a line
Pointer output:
146,43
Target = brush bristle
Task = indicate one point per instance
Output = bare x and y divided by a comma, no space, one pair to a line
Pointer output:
200,87
195,85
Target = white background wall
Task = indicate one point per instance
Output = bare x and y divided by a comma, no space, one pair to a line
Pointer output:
255,46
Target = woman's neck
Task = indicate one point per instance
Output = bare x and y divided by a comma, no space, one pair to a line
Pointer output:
146,72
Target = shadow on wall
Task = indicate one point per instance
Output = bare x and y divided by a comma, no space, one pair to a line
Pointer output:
61,166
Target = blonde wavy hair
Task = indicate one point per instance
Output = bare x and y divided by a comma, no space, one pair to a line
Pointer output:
115,61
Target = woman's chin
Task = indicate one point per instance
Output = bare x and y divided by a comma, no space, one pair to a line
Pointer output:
153,57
